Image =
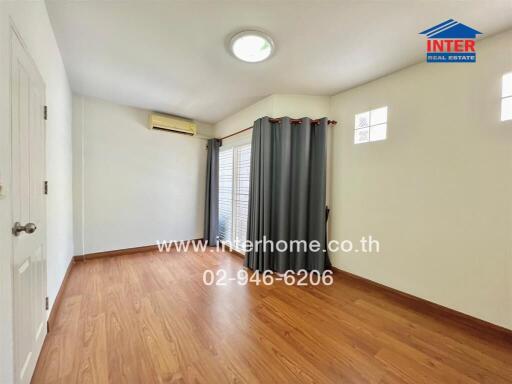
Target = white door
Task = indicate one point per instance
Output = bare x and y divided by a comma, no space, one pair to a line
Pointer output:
29,210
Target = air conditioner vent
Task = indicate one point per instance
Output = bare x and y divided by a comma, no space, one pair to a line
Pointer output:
170,123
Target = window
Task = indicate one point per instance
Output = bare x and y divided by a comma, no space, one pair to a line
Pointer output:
371,126
225,193
506,97
234,176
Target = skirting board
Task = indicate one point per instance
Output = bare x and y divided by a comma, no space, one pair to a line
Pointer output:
232,250
116,252
419,304
428,307
122,252
237,253
58,299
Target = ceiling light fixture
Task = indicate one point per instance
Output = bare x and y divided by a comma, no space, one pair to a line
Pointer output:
252,46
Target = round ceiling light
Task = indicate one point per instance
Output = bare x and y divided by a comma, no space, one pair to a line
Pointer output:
252,46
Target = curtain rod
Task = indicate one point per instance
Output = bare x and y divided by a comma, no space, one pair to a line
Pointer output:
272,120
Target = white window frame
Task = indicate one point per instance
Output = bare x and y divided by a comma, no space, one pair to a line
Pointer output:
236,177
506,97
235,145
371,125
231,201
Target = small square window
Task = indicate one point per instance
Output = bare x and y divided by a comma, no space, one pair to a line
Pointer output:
362,120
506,97
371,126
506,108
379,116
378,132
362,135
506,89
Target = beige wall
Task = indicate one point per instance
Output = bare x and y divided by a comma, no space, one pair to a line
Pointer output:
297,106
132,185
294,106
438,192
31,21
244,118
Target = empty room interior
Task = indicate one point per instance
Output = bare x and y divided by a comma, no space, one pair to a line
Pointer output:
278,191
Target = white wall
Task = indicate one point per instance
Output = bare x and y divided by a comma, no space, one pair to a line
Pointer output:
244,118
294,106
297,106
133,186
31,21
278,105
437,193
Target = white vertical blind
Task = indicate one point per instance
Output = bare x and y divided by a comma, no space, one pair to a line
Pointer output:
225,193
241,195
234,174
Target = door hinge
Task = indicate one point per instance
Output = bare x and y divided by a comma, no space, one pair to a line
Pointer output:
47,303
45,187
46,112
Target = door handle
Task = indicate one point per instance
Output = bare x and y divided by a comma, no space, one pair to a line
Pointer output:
28,228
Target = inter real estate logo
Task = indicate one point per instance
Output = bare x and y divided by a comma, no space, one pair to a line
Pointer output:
451,42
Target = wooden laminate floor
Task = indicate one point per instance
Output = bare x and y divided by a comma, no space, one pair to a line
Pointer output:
148,318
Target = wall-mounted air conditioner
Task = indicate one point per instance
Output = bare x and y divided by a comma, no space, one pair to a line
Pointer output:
172,124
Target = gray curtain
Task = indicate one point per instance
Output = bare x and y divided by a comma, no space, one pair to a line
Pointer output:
211,207
287,193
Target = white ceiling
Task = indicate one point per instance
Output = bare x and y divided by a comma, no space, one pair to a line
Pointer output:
171,56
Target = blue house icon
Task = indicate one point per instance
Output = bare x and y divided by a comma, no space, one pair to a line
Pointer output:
451,29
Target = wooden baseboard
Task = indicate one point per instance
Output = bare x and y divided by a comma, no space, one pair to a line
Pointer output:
58,299
122,252
116,252
237,253
419,304
430,308
232,250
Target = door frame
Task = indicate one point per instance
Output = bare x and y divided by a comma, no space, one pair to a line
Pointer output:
15,34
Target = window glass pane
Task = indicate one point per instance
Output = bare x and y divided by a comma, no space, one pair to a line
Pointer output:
242,173
362,120
379,116
378,132
506,89
361,135
225,194
506,108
